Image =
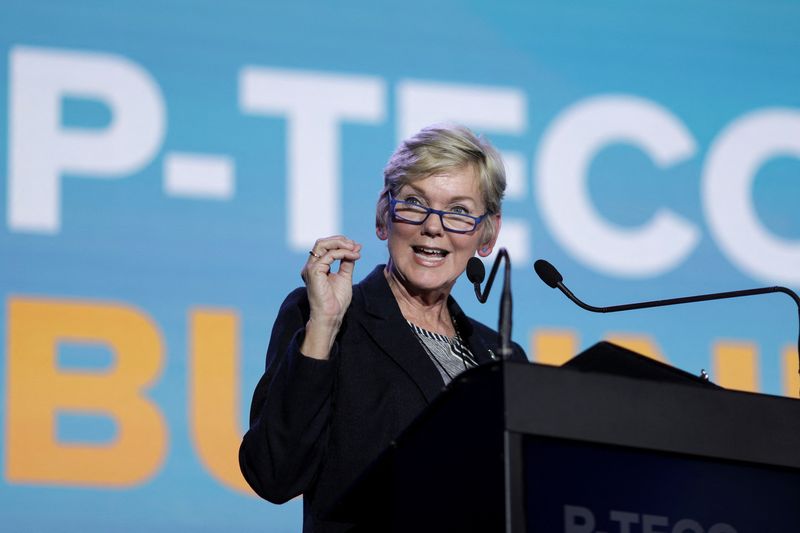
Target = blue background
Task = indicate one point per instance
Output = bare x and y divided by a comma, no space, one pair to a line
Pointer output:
707,62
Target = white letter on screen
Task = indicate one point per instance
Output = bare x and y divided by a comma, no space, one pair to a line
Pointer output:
314,105
41,149
486,109
731,167
566,153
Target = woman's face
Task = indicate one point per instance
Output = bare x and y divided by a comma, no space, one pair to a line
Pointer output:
425,257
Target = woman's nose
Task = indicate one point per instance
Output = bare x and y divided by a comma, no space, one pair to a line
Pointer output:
433,225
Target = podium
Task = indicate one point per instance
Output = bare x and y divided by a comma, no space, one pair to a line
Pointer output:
612,442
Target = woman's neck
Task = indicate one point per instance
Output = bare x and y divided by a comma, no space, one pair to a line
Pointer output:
426,309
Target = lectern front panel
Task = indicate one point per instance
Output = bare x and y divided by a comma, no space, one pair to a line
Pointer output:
579,487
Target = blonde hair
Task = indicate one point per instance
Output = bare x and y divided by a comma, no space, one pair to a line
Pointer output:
439,148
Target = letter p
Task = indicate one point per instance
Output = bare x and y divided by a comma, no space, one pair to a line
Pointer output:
41,150
578,519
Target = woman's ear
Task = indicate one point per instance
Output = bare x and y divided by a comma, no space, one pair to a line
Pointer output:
381,233
486,248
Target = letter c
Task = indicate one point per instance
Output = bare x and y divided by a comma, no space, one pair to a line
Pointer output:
731,167
567,150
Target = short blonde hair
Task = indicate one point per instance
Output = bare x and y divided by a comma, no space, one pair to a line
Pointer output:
439,148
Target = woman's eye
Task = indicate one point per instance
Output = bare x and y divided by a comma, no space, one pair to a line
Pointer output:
460,209
413,200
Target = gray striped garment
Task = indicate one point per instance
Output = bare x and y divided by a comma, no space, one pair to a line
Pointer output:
449,354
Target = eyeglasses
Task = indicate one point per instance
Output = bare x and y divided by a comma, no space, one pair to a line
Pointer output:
413,213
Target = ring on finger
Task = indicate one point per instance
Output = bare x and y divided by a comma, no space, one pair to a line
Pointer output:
314,254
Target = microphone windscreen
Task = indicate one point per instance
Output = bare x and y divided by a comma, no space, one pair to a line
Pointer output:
548,273
475,270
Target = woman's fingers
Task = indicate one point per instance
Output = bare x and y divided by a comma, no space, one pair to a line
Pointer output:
348,264
327,251
323,265
321,246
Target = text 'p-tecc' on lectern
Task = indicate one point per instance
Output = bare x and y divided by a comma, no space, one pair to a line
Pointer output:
612,442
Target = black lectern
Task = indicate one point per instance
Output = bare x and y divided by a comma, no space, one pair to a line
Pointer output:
629,446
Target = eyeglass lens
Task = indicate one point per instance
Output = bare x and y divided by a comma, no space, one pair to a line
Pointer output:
417,213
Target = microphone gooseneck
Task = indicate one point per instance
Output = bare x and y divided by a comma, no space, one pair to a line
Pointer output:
552,277
476,273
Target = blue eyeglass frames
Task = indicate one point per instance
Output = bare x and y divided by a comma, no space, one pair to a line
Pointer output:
417,214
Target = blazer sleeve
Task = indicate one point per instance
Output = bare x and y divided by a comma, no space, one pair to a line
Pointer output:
281,452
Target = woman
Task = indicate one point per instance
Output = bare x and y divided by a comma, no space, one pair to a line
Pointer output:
349,367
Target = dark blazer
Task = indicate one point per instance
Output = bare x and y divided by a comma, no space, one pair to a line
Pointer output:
316,425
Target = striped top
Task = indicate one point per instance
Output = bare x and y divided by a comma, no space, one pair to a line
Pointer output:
449,354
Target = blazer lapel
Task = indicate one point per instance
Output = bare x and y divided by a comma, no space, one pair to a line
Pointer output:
385,324
483,351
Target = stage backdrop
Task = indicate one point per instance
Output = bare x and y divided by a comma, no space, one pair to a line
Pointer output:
167,165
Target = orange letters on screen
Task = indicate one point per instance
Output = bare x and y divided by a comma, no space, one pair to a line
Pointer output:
38,390
214,389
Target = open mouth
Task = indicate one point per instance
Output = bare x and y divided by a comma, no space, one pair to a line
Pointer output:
432,253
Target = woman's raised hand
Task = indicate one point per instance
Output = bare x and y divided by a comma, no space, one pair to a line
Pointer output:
329,292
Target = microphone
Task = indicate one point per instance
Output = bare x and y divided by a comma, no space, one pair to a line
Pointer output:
475,273
548,273
552,277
